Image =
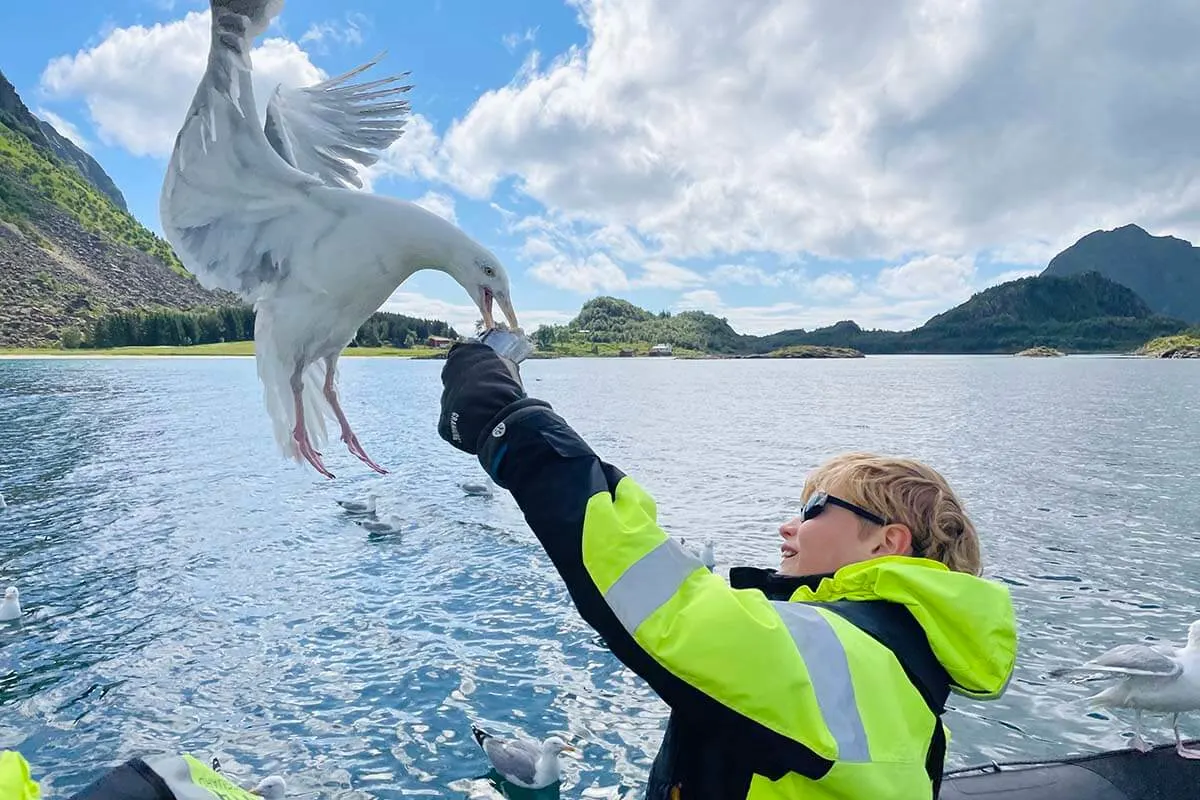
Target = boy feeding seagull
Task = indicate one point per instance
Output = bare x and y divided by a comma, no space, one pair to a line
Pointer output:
827,677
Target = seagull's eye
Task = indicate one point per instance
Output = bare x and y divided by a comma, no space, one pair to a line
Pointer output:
491,273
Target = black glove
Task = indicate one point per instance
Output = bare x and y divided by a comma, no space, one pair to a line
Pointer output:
477,386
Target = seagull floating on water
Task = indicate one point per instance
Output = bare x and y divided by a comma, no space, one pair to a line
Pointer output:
360,507
484,489
523,762
267,211
10,607
1155,678
272,787
392,523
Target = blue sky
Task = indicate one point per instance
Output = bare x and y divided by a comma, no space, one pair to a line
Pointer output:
780,164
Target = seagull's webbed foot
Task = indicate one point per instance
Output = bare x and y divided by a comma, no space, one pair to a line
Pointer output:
1138,743
300,432
311,455
357,449
1183,752
348,435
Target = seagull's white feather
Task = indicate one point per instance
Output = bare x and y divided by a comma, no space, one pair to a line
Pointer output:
316,127
1155,677
10,605
1131,659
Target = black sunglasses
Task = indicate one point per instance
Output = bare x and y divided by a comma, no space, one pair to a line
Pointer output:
816,504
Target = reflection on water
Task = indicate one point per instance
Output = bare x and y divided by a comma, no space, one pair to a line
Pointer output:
187,590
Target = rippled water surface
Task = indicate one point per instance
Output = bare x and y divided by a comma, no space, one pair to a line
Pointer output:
186,589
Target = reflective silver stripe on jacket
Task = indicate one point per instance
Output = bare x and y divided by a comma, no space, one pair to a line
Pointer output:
649,582
656,577
829,673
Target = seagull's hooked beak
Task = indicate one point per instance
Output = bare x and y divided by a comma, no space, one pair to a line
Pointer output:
485,307
571,750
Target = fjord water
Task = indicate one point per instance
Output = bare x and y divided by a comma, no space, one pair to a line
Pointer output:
188,590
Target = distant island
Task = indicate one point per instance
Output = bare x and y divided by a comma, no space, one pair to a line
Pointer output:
1183,345
1076,313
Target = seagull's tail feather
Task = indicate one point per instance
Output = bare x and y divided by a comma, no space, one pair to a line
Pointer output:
275,369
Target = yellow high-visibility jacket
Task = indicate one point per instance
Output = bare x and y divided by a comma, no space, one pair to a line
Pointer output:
158,778
819,688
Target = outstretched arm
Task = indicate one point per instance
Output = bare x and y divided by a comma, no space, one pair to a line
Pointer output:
771,676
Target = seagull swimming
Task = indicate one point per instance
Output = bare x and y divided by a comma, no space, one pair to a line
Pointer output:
522,762
272,787
360,508
1155,678
267,211
10,607
392,523
484,489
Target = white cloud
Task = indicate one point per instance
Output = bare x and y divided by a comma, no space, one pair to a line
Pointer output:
748,275
349,32
138,81
68,130
899,298
700,300
832,284
513,40
929,276
538,249
663,275
852,130
595,273
413,156
438,203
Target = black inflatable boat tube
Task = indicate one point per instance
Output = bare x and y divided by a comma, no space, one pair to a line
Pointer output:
1160,774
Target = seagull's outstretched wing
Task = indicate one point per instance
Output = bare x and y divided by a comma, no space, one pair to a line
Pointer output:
232,209
319,128
1130,660
513,758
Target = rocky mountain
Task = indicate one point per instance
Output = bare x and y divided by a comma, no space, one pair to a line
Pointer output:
1163,270
69,249
44,137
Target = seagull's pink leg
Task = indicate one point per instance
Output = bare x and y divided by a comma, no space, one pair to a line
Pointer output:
300,433
1184,752
348,435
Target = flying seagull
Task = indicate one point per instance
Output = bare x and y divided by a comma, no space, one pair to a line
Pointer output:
273,212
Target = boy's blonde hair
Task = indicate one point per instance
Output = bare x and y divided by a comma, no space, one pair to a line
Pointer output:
909,492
